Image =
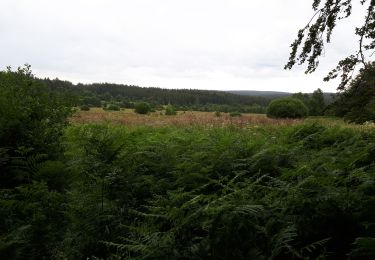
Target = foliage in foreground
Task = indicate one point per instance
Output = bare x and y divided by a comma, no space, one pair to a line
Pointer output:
189,193
32,120
192,193
111,192
33,178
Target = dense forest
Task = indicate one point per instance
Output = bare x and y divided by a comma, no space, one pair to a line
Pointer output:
328,97
108,95
102,94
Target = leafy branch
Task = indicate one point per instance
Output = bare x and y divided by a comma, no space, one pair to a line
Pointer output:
309,45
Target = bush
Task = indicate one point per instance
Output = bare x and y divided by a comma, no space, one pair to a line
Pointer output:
287,108
142,108
91,101
113,107
170,111
217,114
85,108
126,104
234,114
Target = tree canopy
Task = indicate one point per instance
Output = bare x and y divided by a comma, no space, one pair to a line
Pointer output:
314,102
309,45
357,103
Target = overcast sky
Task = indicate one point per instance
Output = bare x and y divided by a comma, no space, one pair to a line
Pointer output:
200,44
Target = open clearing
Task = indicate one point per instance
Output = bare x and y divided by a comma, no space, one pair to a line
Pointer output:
206,119
196,118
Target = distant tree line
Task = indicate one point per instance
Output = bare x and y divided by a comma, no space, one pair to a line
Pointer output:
116,96
126,96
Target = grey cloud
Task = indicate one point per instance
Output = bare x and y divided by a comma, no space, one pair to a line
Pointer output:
211,44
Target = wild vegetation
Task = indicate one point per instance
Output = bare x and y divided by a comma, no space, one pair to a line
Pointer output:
128,117
170,110
142,108
106,171
257,193
246,187
287,108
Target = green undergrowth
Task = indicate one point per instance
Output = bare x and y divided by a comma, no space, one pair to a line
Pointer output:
297,192
265,192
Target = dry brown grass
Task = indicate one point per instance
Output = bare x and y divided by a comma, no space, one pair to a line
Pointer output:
206,119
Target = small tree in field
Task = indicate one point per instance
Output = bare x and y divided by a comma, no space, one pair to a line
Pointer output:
113,107
170,110
142,108
85,108
235,114
287,108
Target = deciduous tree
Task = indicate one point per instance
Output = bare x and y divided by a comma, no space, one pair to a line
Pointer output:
309,45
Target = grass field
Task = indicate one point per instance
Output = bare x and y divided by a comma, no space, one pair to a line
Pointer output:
196,118
206,119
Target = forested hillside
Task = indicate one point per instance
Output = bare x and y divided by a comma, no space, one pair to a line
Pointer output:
256,93
183,99
328,97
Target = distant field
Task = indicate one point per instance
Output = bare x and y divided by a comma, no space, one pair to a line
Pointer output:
207,119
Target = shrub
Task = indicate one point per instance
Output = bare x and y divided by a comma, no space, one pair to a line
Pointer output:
91,101
287,108
170,111
85,108
234,114
142,108
126,104
217,114
113,107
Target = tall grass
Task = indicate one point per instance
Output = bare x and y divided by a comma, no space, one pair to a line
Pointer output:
188,118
